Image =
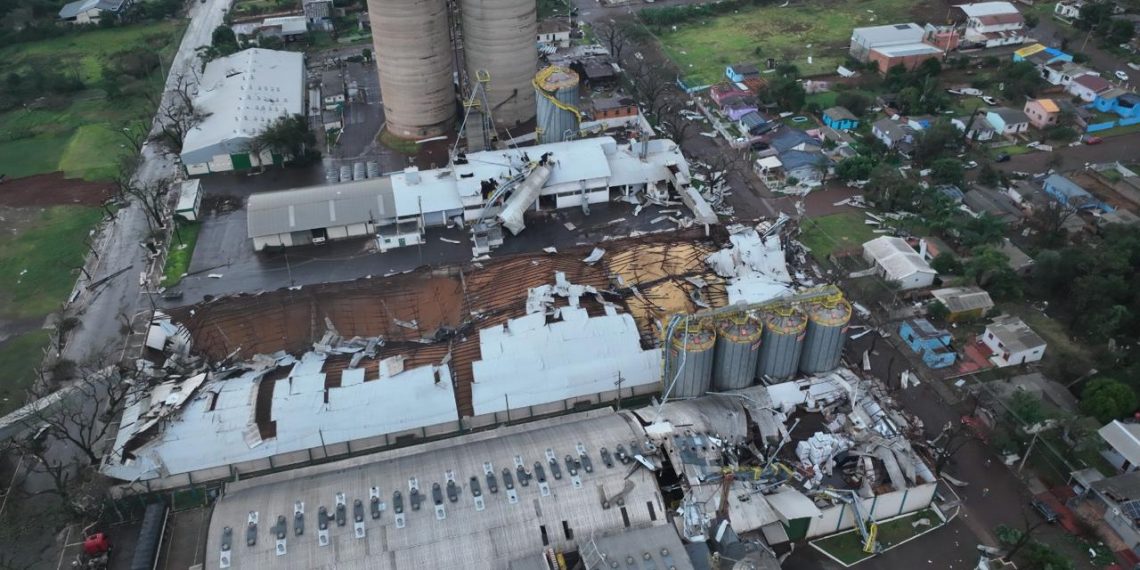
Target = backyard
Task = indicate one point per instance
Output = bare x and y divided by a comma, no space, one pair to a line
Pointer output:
815,29
76,130
837,232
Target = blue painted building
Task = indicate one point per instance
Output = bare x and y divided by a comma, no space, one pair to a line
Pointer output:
930,342
738,72
1118,101
1069,193
840,119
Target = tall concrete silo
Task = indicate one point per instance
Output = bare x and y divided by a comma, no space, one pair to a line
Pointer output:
690,353
556,89
737,351
413,52
781,343
826,333
499,38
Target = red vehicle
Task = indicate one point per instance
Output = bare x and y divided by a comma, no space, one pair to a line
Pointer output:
1089,139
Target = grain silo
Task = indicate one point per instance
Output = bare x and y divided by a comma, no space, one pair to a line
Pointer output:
499,38
413,53
690,352
737,351
781,343
556,89
826,333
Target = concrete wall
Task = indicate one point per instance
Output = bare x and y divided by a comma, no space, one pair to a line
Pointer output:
842,517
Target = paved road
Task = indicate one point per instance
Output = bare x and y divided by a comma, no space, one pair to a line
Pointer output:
121,295
1122,148
1051,32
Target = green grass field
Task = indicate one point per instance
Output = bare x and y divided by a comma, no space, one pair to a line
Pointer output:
79,137
36,266
837,232
848,547
703,48
20,356
180,253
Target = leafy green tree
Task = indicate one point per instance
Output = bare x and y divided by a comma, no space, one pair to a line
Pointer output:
890,190
989,268
936,310
1027,408
788,93
855,168
947,171
1120,32
988,175
1107,399
853,101
985,229
289,137
1094,16
945,263
935,142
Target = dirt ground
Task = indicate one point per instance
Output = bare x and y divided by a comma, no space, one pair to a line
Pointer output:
52,190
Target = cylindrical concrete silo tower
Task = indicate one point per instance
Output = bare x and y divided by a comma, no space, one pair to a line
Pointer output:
413,53
499,38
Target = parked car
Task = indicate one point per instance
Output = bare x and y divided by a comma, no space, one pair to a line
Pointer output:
1046,511
1089,139
989,100
1002,157
971,164
1120,75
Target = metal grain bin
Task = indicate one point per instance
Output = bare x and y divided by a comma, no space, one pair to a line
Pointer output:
556,89
691,353
781,342
826,333
737,351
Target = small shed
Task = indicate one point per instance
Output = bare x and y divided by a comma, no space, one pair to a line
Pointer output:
189,200
896,261
964,303
739,72
932,343
840,119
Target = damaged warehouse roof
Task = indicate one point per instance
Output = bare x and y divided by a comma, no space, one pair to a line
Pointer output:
464,343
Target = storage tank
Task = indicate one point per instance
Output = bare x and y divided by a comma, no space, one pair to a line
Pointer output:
737,351
693,343
781,342
826,333
499,38
556,89
412,48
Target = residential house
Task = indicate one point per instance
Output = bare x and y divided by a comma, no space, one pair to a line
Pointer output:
1123,439
614,108
741,72
980,129
287,28
1068,10
995,203
771,171
1072,195
806,167
1115,499
992,24
554,32
1088,87
933,344
1016,259
909,56
722,92
318,12
1123,103
892,133
952,192
91,11
1012,342
332,89
1040,55
1063,72
737,107
1007,121
945,38
920,122
753,123
896,261
596,72
1036,384
964,303
1042,113
863,40
840,119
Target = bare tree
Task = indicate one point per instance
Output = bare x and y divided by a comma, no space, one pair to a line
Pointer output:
151,195
1050,218
948,443
613,35
674,126
82,416
651,87
177,115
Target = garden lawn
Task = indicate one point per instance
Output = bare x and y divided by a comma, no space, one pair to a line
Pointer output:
836,232
25,157
848,547
20,356
84,52
181,252
93,153
702,49
36,266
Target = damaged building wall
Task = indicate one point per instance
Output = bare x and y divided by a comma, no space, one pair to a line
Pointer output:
841,517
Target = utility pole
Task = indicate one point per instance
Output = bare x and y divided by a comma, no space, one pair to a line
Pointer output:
1032,442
